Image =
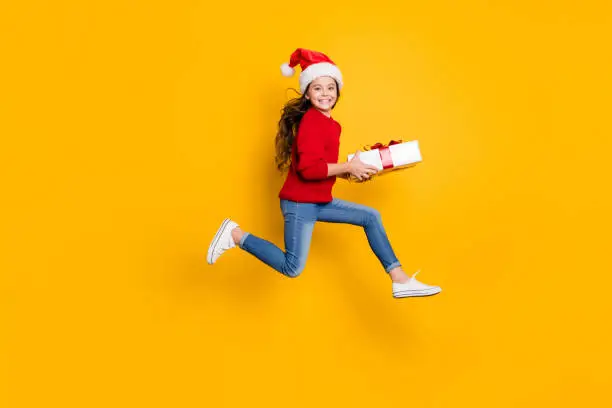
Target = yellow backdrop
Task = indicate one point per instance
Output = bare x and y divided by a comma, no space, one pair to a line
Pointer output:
130,129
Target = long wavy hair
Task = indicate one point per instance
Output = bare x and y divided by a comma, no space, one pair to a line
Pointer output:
288,125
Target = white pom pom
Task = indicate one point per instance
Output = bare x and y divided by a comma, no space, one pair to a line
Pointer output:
287,70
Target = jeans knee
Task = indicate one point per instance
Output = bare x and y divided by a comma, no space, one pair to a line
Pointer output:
373,217
293,270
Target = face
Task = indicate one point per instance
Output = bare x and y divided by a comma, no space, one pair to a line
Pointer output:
323,94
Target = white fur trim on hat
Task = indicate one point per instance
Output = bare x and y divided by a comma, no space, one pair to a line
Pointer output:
318,70
287,70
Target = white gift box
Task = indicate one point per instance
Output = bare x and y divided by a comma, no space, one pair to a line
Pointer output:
405,154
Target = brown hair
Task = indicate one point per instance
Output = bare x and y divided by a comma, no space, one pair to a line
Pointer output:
288,125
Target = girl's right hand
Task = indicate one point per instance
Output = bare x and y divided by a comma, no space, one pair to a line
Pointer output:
359,169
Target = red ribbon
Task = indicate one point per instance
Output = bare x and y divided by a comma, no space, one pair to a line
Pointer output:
385,153
380,145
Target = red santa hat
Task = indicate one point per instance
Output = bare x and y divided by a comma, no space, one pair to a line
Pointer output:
314,64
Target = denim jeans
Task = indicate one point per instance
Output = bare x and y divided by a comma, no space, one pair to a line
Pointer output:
300,219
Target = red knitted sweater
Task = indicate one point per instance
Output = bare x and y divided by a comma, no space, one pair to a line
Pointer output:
317,143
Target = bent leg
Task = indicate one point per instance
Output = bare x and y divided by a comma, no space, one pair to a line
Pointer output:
299,224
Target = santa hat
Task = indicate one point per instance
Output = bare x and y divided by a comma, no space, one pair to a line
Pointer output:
314,64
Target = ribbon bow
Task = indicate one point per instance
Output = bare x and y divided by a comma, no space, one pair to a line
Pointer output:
383,150
385,154
381,146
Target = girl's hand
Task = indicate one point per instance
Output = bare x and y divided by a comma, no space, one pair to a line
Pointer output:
359,169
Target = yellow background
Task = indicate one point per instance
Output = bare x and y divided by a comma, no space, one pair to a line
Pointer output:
130,129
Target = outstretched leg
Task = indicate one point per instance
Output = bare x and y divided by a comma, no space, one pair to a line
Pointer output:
346,212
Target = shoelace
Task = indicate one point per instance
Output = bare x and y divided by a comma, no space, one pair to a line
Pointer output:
415,274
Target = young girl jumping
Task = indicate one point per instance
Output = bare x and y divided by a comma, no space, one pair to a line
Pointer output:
307,147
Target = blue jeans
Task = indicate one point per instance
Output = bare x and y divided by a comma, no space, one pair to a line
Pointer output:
300,219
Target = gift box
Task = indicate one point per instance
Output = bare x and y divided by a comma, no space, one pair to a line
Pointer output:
395,155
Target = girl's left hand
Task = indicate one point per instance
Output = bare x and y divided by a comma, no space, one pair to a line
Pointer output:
359,169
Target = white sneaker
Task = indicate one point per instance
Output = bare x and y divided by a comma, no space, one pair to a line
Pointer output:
414,288
222,241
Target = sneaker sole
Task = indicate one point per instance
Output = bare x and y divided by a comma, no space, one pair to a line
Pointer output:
215,241
416,293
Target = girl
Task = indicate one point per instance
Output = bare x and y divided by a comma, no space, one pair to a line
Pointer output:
307,147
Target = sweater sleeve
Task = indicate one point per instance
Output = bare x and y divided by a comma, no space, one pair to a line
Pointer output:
311,163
